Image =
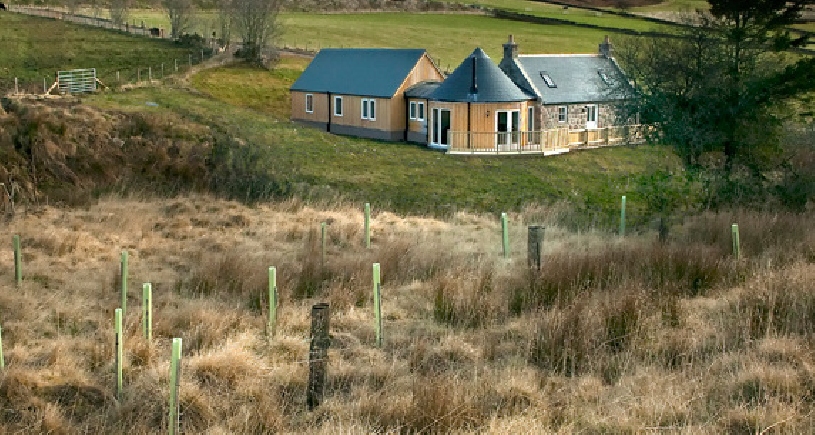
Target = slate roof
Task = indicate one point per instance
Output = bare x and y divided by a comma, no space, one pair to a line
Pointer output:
479,80
578,78
422,90
366,72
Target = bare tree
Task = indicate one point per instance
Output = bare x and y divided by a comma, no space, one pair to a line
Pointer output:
256,21
181,16
119,10
225,21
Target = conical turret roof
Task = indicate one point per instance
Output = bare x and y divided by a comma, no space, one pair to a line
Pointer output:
478,80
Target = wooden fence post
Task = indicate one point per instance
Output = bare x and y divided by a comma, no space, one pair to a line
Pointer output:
2,358
505,235
150,74
622,216
175,380
176,65
322,244
377,305
147,312
16,86
119,353
18,261
534,246
734,234
367,225
123,276
318,354
271,327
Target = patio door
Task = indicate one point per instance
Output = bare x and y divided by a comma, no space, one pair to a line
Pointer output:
441,127
507,127
591,116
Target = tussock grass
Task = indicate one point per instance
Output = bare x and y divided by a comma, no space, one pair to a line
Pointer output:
611,335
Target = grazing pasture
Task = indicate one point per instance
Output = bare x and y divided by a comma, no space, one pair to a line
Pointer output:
39,47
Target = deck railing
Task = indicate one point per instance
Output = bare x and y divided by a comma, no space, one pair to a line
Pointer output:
552,141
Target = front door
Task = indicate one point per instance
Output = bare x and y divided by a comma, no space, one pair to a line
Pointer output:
507,127
441,127
591,116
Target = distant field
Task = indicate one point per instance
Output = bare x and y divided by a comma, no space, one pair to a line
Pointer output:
674,6
450,37
447,37
35,48
577,15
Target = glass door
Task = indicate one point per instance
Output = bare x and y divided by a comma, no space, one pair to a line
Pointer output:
507,127
441,127
591,116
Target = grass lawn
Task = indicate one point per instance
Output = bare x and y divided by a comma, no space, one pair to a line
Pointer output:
36,48
397,176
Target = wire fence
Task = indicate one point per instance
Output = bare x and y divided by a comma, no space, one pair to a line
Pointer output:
135,73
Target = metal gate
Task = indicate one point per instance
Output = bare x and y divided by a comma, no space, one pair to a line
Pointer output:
77,81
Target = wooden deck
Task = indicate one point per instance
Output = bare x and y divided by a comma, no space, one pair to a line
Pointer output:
543,142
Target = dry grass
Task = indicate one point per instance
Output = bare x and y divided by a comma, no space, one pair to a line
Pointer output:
610,336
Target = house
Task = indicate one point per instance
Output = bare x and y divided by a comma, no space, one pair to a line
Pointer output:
361,91
524,104
477,106
578,91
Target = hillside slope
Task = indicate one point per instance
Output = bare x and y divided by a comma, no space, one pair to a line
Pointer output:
63,150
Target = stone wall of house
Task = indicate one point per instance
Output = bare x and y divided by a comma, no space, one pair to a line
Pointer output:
575,116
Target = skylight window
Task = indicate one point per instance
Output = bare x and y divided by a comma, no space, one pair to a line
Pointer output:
548,80
604,77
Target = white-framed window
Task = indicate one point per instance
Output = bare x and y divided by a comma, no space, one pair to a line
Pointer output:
530,118
413,110
309,103
562,113
368,110
420,111
337,106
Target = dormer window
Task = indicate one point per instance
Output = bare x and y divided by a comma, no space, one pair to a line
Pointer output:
547,79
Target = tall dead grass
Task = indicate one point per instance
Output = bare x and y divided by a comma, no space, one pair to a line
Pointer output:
611,335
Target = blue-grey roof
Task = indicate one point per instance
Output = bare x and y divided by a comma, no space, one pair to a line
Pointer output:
480,80
577,78
422,90
367,72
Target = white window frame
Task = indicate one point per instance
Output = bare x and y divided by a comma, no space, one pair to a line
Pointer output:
309,103
564,111
338,98
368,109
420,115
414,110
530,118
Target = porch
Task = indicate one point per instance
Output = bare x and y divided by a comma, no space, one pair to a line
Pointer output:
546,142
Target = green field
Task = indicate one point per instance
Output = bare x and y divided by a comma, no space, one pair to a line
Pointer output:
447,37
253,106
35,48
397,176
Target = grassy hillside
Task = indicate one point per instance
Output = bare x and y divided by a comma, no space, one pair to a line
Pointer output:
611,336
404,177
36,48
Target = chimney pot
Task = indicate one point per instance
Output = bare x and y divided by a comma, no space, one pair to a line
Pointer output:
511,48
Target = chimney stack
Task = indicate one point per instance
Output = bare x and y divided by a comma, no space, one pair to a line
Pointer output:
511,49
606,49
